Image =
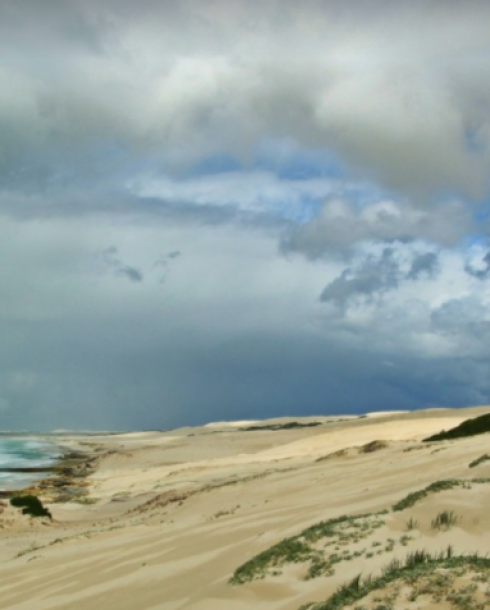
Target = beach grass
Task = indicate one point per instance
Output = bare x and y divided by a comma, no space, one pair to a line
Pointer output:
412,498
342,531
423,574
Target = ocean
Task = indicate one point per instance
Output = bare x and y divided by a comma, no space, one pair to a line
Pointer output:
18,452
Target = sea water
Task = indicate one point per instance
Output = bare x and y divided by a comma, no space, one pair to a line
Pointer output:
18,452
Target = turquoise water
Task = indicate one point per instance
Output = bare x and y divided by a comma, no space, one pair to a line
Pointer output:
17,452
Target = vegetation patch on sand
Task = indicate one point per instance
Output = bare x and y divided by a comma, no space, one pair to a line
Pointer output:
480,460
335,454
287,426
459,582
470,427
31,505
331,542
305,547
435,487
373,446
444,520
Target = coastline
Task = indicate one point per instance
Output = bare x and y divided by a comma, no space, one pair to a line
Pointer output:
65,480
25,458
65,466
161,520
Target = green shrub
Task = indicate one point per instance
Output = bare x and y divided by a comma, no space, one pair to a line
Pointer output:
31,505
276,427
470,427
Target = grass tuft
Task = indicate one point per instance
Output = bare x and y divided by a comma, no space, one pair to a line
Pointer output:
444,520
411,524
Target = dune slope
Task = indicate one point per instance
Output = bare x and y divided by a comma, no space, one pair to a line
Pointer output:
224,517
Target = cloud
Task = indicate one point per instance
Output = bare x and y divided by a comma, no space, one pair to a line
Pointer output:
409,111
340,224
109,256
380,272
426,263
482,268
236,331
464,317
374,275
255,191
163,264
434,314
321,166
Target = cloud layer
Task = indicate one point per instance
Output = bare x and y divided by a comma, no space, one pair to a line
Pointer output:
216,209
399,90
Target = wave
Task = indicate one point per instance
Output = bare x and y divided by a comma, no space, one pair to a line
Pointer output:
24,453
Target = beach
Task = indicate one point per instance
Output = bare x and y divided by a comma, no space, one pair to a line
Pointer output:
164,520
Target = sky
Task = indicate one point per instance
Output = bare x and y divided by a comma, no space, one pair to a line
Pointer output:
224,209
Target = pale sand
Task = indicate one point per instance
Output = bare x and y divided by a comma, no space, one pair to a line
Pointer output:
232,424
177,512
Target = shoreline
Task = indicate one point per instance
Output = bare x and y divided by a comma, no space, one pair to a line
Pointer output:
64,476
66,480
40,459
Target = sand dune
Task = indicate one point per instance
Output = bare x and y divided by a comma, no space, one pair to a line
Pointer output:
171,515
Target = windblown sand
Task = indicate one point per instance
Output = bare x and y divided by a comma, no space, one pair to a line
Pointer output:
171,515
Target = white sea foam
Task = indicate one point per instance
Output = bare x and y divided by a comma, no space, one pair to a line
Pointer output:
24,453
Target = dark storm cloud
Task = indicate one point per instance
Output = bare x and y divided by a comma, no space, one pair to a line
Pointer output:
229,335
110,109
108,386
